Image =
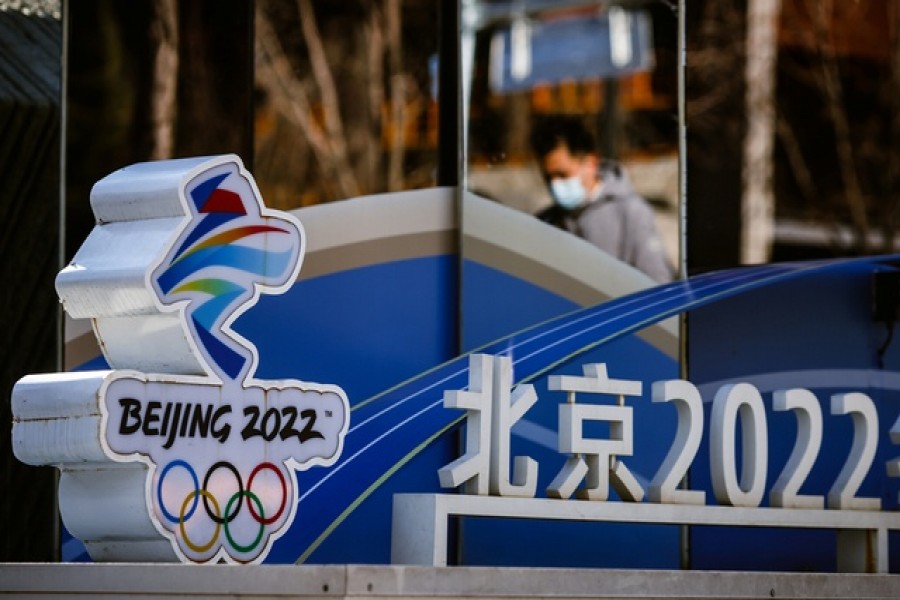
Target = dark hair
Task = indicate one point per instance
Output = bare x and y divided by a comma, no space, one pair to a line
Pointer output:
550,132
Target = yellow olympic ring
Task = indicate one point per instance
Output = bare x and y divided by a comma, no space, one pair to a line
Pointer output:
194,547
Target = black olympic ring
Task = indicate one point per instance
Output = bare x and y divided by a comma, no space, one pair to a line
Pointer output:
226,518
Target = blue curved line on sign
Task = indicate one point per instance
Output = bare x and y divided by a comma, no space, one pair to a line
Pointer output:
251,260
412,411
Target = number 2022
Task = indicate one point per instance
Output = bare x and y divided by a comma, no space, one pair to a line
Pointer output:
744,400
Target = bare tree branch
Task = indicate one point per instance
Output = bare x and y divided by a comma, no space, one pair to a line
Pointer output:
398,94
714,55
797,162
374,37
164,35
290,98
287,94
353,100
330,104
832,88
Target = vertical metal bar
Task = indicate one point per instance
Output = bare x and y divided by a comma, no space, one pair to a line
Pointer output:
685,549
451,173
682,142
61,240
449,166
451,162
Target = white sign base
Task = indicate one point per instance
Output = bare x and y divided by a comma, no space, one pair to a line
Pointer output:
420,521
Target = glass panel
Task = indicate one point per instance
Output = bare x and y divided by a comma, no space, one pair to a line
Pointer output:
345,99
802,162
599,80
835,168
608,69
580,97
150,80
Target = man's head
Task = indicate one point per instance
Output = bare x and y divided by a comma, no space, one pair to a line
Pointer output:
566,153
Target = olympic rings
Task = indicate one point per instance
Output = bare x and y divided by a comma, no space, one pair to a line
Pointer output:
227,518
159,498
199,549
281,508
213,507
262,523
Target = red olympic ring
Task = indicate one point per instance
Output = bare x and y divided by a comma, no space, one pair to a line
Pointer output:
284,495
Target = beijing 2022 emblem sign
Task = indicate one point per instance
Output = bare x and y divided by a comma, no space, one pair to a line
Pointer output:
222,448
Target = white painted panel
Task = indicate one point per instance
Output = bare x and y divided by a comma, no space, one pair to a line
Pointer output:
147,190
56,418
55,395
152,344
107,275
58,441
107,503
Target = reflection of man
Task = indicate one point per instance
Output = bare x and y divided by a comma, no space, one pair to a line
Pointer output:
595,200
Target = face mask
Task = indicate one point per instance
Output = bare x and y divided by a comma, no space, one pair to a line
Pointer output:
569,193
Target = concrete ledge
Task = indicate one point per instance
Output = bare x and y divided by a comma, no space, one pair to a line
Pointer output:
408,582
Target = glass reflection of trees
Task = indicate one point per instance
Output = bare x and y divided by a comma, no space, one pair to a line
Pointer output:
344,103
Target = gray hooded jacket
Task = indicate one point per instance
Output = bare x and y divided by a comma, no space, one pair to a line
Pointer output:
619,222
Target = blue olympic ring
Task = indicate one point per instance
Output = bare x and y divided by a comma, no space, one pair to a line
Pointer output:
159,498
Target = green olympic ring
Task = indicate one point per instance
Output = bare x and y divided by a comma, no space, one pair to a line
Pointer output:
262,527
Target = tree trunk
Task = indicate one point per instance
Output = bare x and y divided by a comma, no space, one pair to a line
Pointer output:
758,205
164,32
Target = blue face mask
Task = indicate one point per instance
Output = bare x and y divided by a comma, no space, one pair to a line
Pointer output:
569,193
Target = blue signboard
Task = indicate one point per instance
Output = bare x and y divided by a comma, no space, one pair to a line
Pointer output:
608,416
606,45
